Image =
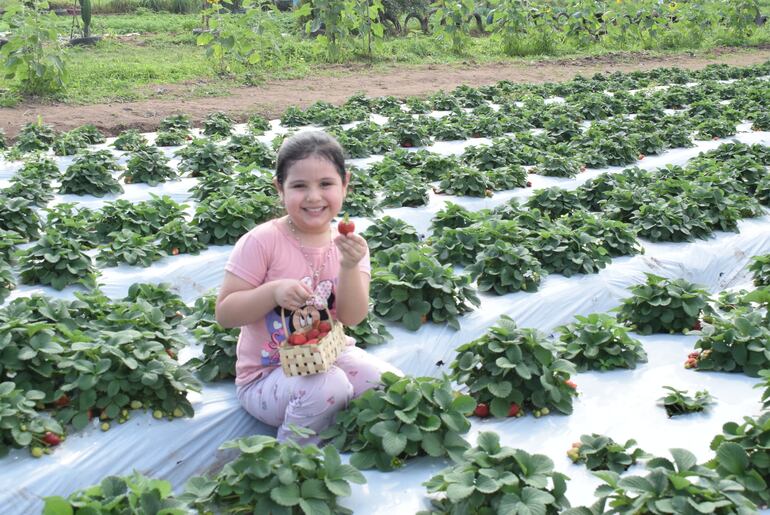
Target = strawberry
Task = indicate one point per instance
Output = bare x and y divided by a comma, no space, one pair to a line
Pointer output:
51,438
175,251
313,334
297,339
322,335
406,144
312,341
488,192
529,184
482,410
640,157
36,452
513,410
324,327
127,179
62,401
170,353
697,326
346,226
571,384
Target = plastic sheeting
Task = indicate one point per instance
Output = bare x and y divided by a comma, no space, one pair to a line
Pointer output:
620,404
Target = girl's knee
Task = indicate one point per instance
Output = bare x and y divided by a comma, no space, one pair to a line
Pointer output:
321,392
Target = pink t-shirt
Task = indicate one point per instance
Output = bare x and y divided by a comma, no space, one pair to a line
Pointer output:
267,253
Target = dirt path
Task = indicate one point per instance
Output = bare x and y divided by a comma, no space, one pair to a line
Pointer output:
272,98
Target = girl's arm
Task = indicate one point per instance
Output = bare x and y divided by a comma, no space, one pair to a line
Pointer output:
239,303
353,288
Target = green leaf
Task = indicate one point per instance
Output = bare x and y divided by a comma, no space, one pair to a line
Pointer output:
393,443
314,507
464,404
732,457
684,459
285,495
338,487
57,506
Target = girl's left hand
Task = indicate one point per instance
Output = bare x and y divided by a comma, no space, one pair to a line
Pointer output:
352,247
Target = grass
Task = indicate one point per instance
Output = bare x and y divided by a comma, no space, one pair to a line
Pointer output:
128,68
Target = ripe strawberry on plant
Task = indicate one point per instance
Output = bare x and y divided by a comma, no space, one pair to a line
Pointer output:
51,438
514,410
346,226
482,410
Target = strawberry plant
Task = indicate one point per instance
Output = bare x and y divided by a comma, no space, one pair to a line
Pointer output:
360,204
91,174
272,477
715,128
618,238
7,282
679,403
175,122
466,181
248,150
370,331
106,374
73,222
491,478
130,140
760,268
202,157
171,138
742,456
434,166
223,220
598,342
408,417
159,295
509,365
38,192
662,306
417,288
90,133
20,424
293,116
219,344
145,217
553,165
148,165
129,247
258,124
405,190
505,268
57,261
17,215
179,237
600,452
8,241
39,167
508,177
69,143
561,250
452,216
35,136
407,131
738,341
761,122
681,487
461,246
389,231
130,494
501,153
554,201
217,125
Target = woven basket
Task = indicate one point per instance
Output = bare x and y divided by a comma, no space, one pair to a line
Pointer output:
313,358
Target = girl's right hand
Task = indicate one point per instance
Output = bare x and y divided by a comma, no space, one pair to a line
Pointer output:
291,294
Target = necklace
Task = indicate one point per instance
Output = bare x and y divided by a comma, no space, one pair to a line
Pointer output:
315,272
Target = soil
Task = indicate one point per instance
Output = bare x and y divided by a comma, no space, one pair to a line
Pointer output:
337,83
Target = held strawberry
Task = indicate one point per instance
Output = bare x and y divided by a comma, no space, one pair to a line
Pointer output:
345,226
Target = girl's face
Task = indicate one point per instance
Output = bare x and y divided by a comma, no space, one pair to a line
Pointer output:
312,193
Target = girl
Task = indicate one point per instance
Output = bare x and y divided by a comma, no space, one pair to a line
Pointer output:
300,263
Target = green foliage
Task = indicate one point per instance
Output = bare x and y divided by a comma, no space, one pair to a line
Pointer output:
598,342
32,57
57,261
554,201
145,217
679,403
417,288
119,494
129,247
370,331
760,266
217,125
662,306
222,220
171,138
20,424
562,250
148,165
736,341
466,181
272,477
248,150
203,157
742,453
69,143
179,237
505,268
450,23
387,232
219,344
405,190
452,216
91,174
600,452
409,417
491,478
17,215
509,365
553,165
130,140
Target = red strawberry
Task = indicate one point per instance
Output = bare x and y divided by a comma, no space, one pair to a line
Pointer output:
513,410
406,144
346,226
175,251
51,438
641,156
62,401
312,341
482,410
170,353
322,335
529,184
297,339
324,327
697,326
313,334
571,384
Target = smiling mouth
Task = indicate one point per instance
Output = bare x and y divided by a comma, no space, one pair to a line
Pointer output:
314,209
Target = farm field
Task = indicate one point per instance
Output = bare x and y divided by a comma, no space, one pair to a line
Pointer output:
538,202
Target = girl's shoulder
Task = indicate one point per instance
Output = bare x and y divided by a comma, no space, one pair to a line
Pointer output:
267,231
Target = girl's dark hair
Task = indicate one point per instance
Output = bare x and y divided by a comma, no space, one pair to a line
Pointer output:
306,144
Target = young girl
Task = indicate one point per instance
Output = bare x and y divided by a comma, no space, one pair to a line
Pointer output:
300,263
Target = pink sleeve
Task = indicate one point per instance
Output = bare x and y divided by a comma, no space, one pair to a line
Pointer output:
249,260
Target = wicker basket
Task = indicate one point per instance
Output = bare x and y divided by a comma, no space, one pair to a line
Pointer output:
313,358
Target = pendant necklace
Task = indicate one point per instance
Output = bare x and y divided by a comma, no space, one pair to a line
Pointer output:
315,272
